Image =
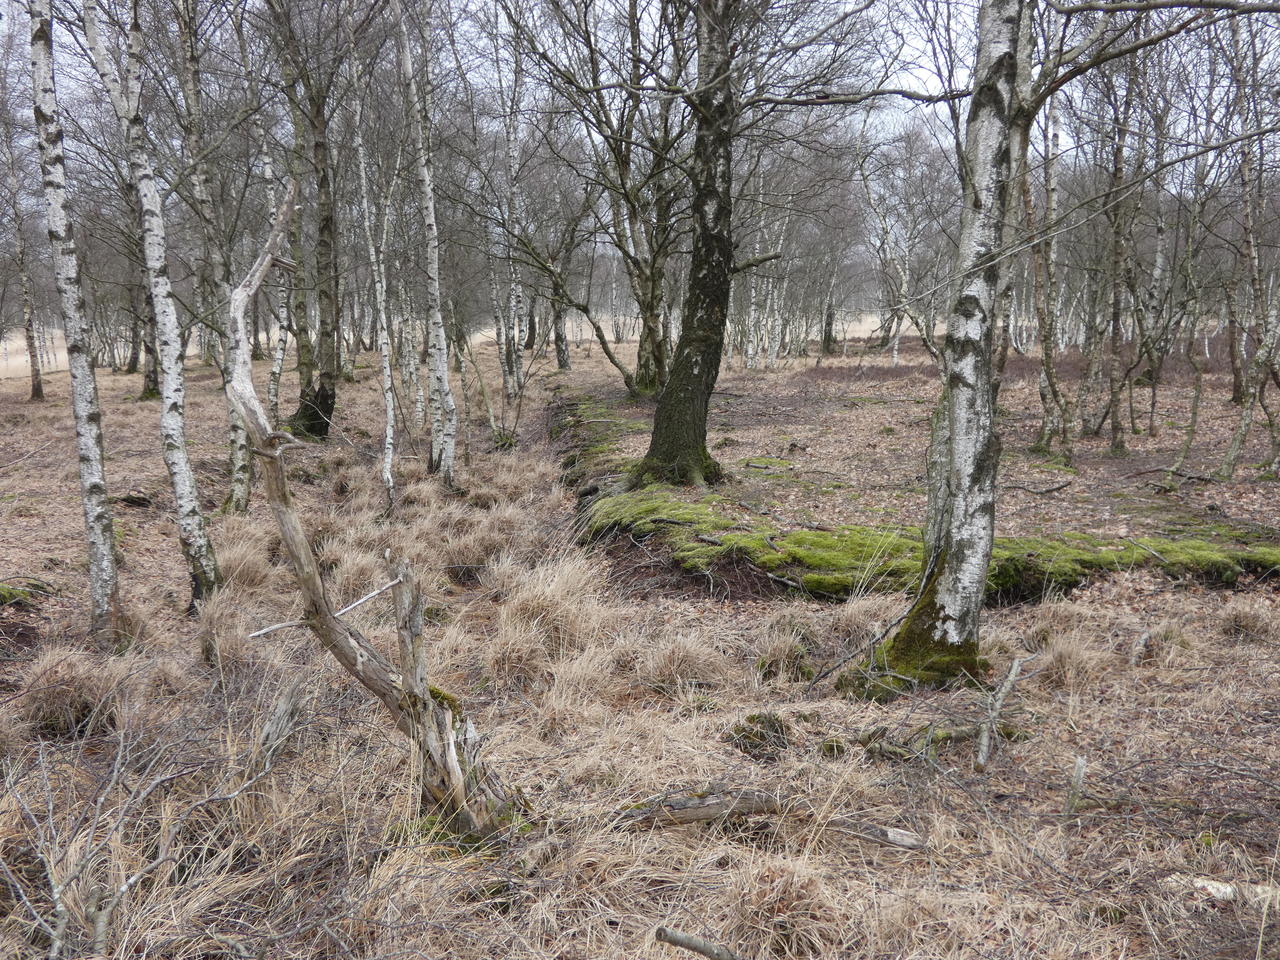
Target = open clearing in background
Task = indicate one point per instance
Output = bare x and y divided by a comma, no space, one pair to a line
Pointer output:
603,676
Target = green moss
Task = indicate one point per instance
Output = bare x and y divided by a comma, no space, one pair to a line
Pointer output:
1057,466
833,748
446,700
834,563
700,532
14,596
914,656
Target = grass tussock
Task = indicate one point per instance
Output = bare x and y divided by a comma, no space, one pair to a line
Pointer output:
1251,618
558,601
67,691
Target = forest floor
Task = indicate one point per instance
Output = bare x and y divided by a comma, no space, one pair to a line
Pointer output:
603,675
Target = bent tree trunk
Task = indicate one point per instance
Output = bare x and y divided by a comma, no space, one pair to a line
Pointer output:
678,446
455,782
104,598
938,638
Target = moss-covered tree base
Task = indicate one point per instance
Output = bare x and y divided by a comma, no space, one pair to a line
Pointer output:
695,470
915,657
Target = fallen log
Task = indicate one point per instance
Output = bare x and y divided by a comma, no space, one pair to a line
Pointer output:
727,802
1262,895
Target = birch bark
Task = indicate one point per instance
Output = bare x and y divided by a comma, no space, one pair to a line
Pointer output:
382,318
938,638
124,94
104,598
444,412
201,182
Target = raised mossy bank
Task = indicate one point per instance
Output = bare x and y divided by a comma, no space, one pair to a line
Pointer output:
834,563
702,530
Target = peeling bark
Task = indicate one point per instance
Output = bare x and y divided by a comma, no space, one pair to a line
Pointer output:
938,638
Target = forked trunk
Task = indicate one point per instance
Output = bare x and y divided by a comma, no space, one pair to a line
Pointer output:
455,783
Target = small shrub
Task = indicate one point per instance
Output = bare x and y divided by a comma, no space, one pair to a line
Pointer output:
761,736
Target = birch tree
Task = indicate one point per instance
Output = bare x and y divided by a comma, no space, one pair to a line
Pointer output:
124,91
104,597
444,412
938,638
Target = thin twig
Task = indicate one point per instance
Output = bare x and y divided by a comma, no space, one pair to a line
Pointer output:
993,714
347,609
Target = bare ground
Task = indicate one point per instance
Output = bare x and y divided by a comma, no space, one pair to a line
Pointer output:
602,679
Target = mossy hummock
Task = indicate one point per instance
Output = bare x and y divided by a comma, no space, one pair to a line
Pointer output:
835,563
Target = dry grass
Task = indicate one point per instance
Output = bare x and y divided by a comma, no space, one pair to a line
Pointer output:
591,700
69,692
1252,618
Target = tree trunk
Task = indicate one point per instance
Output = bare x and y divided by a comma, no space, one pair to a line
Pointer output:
938,638
829,325
444,412
678,447
29,318
317,398
381,317
104,598
562,342
124,94
135,344
455,782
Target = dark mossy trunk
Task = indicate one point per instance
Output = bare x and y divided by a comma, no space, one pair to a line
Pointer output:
829,328
651,354
678,446
315,411
135,345
1233,349
316,400
531,327
561,341
150,366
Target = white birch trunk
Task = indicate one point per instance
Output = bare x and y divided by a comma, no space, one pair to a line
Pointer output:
104,600
974,448
938,638
444,412
381,317
201,181
277,368
124,94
